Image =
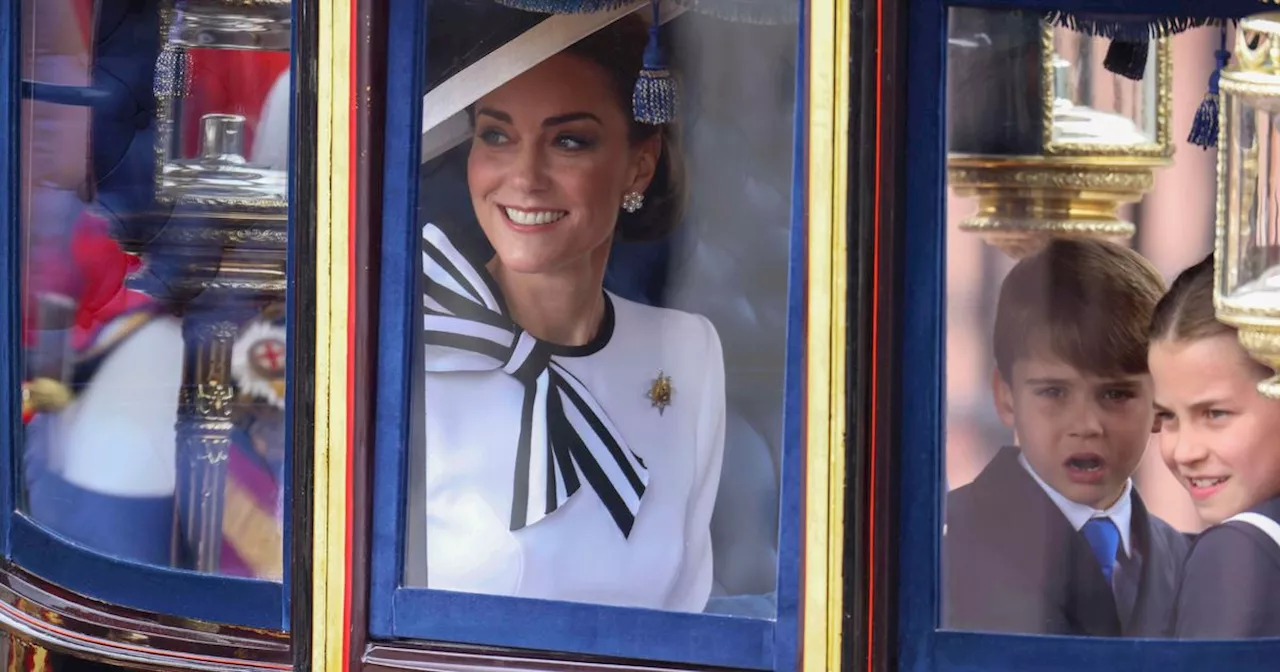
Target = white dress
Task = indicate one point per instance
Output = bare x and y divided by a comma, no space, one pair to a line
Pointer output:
574,548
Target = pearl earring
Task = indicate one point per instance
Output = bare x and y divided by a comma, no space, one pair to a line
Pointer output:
632,201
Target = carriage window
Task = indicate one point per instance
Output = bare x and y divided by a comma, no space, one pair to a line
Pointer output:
154,232
1077,194
639,410
603,287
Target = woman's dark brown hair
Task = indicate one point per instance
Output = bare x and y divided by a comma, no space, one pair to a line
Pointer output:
619,49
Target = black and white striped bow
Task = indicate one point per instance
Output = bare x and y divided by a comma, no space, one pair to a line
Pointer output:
565,437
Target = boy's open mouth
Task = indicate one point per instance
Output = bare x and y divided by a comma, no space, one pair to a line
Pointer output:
1087,468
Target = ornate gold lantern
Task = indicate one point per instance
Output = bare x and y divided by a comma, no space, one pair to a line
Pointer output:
1049,142
1247,287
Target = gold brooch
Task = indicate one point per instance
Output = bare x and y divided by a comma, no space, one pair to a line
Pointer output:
660,392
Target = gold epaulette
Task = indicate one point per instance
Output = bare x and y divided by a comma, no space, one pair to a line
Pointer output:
45,395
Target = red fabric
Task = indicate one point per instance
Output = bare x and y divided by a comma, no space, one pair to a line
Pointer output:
94,277
229,81
103,268
83,10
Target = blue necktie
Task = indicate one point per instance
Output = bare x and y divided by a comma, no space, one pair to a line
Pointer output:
1104,538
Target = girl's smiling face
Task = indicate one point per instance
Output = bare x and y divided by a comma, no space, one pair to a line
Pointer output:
550,162
1218,435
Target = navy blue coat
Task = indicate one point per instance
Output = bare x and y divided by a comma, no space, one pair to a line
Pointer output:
1013,563
1231,583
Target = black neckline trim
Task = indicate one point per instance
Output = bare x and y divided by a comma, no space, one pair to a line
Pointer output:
596,344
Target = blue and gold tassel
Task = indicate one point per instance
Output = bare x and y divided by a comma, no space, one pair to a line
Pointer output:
1204,128
656,99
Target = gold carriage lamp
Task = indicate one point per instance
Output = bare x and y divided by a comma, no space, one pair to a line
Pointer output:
1049,142
1247,254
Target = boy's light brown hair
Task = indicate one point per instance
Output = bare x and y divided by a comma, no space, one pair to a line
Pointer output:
1087,302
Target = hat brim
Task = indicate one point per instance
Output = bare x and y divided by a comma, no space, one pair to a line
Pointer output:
444,119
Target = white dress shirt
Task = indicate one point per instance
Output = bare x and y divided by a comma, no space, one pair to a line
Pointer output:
1078,514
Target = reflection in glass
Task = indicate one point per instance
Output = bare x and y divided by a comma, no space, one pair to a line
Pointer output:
994,66
1051,537
1057,514
153,311
1096,106
1248,282
1050,142
1250,276
1050,88
1213,364
617,447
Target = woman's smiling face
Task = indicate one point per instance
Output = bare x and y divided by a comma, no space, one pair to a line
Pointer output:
550,161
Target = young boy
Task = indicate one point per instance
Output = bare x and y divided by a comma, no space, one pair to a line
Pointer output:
1051,538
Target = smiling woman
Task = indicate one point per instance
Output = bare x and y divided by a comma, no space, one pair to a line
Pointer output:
540,444
555,158
592,359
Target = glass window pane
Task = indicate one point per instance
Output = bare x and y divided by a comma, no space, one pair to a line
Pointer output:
1069,510
1097,105
605,305
154,232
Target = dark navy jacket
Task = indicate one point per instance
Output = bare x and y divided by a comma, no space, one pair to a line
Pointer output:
1013,563
1231,583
